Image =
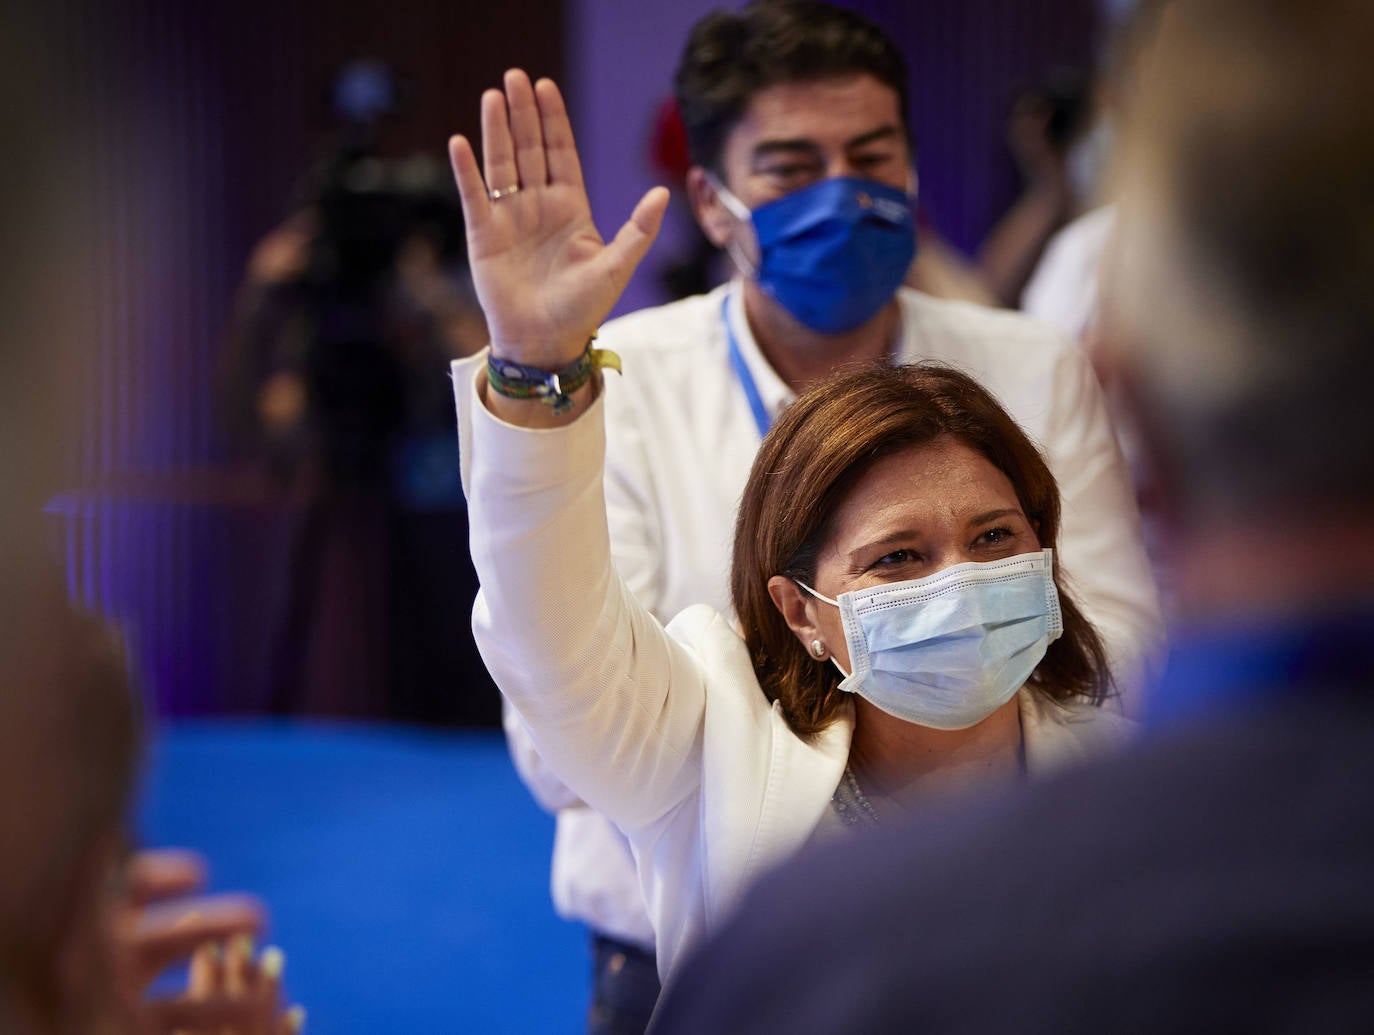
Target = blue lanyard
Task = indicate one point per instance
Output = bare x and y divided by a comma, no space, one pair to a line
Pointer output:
746,379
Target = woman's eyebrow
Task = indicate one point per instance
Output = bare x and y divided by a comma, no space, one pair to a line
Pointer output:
898,538
993,515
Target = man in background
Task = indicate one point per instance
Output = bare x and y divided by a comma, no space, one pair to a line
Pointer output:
1218,876
797,122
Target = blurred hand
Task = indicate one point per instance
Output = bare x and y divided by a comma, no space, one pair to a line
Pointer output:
158,925
1039,159
544,276
229,993
282,401
284,253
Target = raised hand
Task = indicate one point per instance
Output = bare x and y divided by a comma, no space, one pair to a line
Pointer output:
543,274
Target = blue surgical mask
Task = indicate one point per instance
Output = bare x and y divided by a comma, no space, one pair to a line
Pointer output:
831,254
948,650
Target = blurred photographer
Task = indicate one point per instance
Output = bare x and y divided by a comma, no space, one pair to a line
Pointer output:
348,316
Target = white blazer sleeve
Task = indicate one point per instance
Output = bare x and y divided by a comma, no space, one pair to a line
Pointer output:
548,790
632,513
632,518
613,704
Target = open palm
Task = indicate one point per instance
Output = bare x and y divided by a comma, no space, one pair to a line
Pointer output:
543,274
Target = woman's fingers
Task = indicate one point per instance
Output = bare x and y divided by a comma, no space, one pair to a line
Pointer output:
527,143
541,270
159,873
170,932
271,964
472,190
647,217
628,246
228,991
560,150
203,978
240,969
498,152
525,130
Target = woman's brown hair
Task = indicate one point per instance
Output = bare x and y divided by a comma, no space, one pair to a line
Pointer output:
821,445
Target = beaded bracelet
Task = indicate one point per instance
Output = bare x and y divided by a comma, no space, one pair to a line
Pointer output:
517,381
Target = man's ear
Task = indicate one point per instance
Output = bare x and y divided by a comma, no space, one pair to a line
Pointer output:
793,604
712,216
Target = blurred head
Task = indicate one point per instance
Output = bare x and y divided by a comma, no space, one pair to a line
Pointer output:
1241,283
886,474
69,739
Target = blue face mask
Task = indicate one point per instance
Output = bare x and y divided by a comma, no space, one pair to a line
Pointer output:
948,650
831,254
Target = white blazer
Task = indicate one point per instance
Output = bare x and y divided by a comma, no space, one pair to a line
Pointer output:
666,732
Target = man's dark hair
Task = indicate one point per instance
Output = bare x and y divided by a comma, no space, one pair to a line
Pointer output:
732,55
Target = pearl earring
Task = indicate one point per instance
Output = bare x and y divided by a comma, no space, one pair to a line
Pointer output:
818,648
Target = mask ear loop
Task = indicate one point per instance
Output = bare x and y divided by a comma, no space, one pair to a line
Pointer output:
818,596
833,603
741,212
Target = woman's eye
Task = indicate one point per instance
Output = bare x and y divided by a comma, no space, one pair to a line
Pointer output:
896,557
996,537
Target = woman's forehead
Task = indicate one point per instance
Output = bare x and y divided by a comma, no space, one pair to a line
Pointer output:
927,488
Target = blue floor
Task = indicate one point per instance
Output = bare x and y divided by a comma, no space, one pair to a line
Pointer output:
406,871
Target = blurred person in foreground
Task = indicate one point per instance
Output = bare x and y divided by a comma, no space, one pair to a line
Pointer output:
1220,876
803,173
902,631
84,927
